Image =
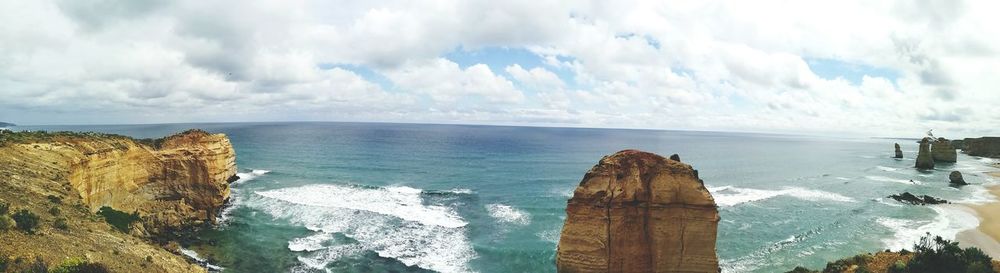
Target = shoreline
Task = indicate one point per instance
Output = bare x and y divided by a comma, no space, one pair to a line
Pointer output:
986,236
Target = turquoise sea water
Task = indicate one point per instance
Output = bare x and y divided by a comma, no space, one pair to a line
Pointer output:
364,197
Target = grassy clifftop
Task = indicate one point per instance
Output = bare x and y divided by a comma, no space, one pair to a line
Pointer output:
46,222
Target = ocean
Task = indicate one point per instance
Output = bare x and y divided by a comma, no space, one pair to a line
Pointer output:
381,197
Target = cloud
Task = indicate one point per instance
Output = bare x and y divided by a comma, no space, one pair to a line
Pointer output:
706,65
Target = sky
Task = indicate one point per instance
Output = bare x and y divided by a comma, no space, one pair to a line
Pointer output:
876,68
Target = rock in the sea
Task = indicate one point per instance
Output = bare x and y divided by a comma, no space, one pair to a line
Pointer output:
924,158
899,152
639,212
983,146
909,198
956,178
942,151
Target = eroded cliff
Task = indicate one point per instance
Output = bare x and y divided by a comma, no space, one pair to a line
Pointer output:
171,184
639,212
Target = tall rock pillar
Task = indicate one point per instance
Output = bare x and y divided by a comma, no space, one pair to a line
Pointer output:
924,158
639,212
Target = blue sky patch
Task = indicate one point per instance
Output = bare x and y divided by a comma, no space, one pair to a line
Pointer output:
499,58
852,72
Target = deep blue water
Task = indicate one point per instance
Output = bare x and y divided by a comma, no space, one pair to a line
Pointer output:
370,197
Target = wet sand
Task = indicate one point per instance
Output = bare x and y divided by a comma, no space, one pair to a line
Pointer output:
987,235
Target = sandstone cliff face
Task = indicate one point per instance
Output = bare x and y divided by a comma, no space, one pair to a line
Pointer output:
639,212
899,152
983,146
942,151
924,158
183,182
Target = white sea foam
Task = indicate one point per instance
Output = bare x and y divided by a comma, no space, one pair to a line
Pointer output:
949,221
977,195
551,235
507,214
888,169
253,174
461,191
194,256
234,200
894,180
309,243
392,222
400,201
730,196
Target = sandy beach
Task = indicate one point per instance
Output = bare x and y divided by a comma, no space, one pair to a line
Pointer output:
987,235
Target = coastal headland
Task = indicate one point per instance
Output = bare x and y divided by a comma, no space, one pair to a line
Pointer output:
108,200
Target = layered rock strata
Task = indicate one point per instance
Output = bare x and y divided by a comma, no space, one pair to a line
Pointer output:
172,182
942,151
639,212
983,146
924,158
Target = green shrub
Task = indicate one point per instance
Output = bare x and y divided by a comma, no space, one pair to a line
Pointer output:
6,224
935,255
26,220
79,265
898,267
55,211
4,261
61,224
4,208
54,199
118,219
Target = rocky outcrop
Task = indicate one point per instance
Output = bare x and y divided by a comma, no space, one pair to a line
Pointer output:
924,158
173,183
639,212
942,151
911,199
955,178
899,152
958,144
983,146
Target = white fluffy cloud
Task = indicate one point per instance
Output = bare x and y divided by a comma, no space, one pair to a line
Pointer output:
895,67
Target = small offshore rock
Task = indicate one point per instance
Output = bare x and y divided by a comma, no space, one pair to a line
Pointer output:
899,152
909,198
956,178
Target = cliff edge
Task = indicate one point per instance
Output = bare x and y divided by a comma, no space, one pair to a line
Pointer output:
639,212
168,184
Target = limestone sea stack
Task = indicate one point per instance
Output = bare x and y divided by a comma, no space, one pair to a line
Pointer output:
942,151
924,158
955,178
639,212
899,152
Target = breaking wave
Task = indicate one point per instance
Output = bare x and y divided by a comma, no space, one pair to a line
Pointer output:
949,221
393,222
894,180
727,196
507,214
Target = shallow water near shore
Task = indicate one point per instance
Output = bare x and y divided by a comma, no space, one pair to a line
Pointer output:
364,197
